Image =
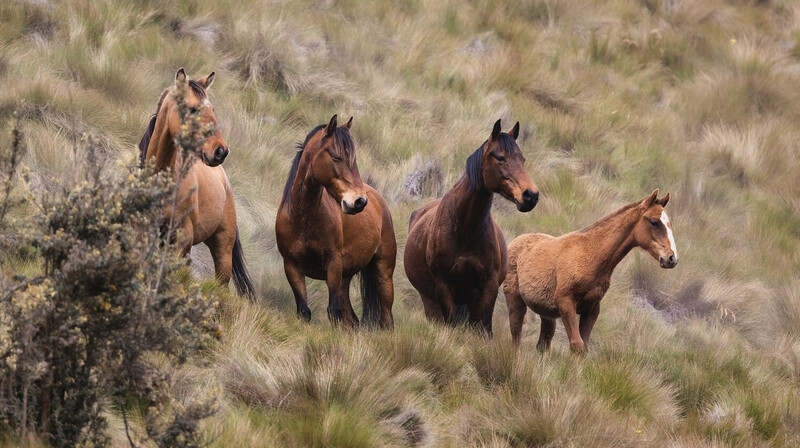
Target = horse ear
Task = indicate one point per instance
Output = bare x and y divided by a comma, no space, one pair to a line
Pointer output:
650,200
349,123
496,130
331,126
514,132
180,77
208,80
663,201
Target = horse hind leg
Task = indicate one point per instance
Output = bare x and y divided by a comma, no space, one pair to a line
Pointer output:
221,247
546,334
516,311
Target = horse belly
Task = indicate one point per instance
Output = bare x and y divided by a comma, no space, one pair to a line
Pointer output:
537,281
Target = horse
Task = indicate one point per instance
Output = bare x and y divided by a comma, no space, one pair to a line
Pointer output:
455,254
567,276
330,226
205,212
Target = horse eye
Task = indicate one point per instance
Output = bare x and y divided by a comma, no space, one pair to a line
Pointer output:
654,222
499,157
193,110
336,158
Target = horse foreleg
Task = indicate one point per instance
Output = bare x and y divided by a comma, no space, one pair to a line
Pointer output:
588,320
548,330
334,282
349,316
446,301
516,309
482,311
566,309
297,280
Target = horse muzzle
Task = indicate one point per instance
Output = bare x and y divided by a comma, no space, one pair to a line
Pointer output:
356,206
668,262
529,200
220,154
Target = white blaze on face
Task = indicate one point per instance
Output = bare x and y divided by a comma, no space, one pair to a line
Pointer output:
668,225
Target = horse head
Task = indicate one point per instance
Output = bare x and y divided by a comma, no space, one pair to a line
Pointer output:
214,150
653,232
500,166
333,165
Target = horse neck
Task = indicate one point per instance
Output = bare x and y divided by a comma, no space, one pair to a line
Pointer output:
306,191
472,209
162,144
614,239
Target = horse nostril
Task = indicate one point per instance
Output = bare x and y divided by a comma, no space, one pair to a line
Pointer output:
360,203
671,259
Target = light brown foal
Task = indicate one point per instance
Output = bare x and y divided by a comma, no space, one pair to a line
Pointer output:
569,275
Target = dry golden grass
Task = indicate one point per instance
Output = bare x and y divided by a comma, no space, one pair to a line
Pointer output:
615,99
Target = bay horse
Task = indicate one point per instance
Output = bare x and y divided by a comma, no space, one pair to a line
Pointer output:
455,254
569,275
205,211
331,226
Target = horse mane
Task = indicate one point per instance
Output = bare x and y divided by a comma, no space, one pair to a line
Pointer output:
200,93
474,170
287,189
610,217
145,141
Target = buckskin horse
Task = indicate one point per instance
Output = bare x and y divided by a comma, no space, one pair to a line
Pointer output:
455,254
205,211
331,226
569,275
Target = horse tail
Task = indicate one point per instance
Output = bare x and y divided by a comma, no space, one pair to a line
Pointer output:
370,302
145,141
241,279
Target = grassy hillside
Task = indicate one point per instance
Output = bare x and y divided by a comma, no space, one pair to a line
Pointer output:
616,98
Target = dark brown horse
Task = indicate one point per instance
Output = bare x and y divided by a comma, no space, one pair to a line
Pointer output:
331,226
205,212
569,275
455,254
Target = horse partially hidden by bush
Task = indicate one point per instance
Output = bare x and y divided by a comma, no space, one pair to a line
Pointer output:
455,254
331,226
205,211
569,275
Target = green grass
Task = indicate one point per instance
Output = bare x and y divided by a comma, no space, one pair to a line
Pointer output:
614,98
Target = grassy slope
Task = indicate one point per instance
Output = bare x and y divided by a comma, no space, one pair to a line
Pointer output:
615,99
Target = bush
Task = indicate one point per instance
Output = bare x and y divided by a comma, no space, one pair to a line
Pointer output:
108,301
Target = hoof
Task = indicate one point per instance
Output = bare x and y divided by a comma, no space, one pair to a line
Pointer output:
335,314
304,313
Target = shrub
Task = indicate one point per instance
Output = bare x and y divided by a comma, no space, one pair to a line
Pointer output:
108,301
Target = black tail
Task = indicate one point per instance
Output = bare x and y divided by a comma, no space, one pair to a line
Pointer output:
371,314
145,141
241,279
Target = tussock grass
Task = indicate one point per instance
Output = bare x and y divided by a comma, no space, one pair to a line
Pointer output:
614,99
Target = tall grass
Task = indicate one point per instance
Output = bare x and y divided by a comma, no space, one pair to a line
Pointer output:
615,99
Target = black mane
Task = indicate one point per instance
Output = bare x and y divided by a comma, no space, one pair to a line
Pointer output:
474,171
145,141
